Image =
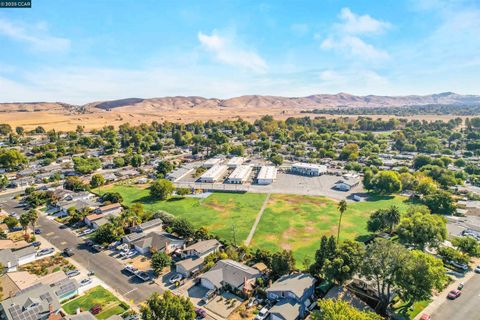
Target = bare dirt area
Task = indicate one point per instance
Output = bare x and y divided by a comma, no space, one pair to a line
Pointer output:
137,115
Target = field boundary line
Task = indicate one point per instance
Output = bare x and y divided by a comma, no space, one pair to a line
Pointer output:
257,220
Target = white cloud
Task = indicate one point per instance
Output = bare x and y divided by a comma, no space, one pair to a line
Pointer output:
226,51
346,36
36,36
354,46
361,24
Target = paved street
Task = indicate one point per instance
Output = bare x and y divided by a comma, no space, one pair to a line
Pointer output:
105,267
466,307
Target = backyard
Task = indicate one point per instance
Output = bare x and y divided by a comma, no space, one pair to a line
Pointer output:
292,222
110,304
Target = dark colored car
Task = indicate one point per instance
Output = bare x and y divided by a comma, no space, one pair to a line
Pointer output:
454,294
96,309
89,242
36,243
200,313
68,252
38,231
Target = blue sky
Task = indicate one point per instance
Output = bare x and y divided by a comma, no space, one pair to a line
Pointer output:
82,51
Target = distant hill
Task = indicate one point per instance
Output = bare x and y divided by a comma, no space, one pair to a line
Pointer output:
317,101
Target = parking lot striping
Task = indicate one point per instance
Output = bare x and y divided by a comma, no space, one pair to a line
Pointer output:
128,292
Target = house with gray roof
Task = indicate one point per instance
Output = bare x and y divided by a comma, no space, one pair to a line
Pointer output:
37,302
158,242
293,295
230,274
8,260
195,256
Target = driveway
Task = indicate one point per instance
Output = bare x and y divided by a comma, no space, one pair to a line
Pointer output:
105,267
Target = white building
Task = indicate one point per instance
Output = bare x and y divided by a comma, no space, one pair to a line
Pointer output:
309,169
235,162
212,162
179,174
267,175
213,174
240,174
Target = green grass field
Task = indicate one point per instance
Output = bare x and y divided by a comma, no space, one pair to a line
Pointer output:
292,222
110,304
296,222
219,213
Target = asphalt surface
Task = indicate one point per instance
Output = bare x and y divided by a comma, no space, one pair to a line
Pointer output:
465,307
105,267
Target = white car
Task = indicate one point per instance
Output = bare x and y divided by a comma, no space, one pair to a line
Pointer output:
44,252
176,278
130,254
130,268
262,314
85,282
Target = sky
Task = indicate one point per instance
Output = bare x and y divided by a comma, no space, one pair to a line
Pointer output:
84,51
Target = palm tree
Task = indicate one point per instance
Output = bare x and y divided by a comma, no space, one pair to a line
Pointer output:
342,207
392,217
130,218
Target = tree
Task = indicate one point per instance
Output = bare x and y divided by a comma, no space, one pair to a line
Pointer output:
161,189
440,201
3,181
276,159
86,165
112,197
282,263
136,160
387,182
331,309
24,221
384,220
350,152
108,233
97,180
11,222
420,230
5,129
450,254
367,179
33,217
467,245
421,160
167,306
164,167
382,261
342,207
420,274
11,159
183,228
326,252
345,262
159,261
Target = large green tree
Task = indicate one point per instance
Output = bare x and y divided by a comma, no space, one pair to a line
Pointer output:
282,263
421,230
167,306
161,189
384,220
159,261
345,262
331,309
387,182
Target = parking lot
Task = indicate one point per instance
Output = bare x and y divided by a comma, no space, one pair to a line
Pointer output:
285,183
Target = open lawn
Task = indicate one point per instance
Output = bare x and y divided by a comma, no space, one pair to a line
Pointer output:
296,222
292,222
220,213
110,304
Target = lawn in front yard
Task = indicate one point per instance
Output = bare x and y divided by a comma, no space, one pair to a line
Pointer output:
110,304
219,213
296,222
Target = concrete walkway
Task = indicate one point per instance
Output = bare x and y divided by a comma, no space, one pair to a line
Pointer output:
257,220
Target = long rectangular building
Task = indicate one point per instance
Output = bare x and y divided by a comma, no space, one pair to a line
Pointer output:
240,174
212,162
213,174
235,162
267,175
308,169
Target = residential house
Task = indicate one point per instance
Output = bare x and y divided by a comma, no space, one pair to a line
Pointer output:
8,260
346,184
25,255
293,295
151,225
61,208
158,242
37,302
195,255
231,275
113,209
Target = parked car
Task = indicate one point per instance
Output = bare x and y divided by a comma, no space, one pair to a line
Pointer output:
477,269
262,314
85,282
96,309
200,313
252,302
175,278
459,265
89,242
208,296
97,247
44,252
454,294
68,252
17,228
143,275
425,316
131,269
36,243
38,231
72,273
86,232
460,286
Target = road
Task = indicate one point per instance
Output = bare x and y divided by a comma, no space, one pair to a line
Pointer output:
105,267
465,307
